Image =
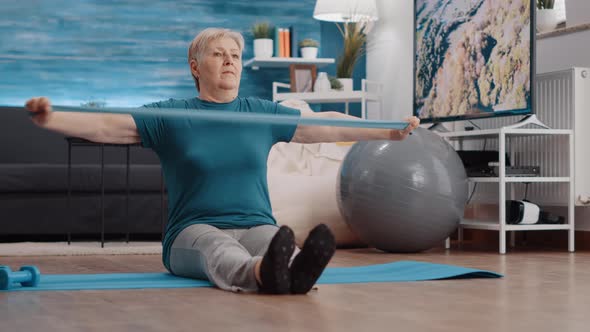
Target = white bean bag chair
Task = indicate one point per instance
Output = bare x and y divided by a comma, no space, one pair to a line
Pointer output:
302,186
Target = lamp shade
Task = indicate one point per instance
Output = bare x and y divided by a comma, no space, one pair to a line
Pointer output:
345,10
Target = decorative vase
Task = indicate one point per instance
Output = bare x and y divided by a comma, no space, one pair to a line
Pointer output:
346,84
309,52
263,48
322,83
546,20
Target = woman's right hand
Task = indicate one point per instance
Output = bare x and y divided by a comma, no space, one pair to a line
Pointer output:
40,107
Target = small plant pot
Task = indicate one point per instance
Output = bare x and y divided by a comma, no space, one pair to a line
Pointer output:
309,52
263,48
346,84
546,20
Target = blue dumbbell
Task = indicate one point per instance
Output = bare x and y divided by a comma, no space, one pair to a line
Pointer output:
28,276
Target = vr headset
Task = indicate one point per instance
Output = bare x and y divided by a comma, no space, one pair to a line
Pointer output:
527,213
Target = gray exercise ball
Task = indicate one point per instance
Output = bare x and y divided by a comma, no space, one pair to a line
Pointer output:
402,196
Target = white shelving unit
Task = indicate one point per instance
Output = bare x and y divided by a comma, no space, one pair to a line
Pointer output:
361,96
276,62
500,225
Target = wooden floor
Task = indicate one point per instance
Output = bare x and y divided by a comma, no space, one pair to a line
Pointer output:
541,291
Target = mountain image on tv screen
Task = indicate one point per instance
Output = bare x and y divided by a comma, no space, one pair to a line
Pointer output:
473,57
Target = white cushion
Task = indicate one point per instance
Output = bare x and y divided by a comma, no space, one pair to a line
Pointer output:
302,186
304,201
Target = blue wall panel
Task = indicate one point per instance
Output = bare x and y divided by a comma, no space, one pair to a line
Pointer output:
127,52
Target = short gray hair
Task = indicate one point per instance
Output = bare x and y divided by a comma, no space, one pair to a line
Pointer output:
198,46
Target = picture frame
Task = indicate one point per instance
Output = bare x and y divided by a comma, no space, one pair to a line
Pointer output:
302,77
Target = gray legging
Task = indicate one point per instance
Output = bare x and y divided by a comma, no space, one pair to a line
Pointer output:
226,257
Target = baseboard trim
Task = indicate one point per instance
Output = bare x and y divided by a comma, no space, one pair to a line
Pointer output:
551,240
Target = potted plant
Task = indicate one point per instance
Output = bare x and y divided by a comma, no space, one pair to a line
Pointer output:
546,16
263,44
309,48
355,37
335,83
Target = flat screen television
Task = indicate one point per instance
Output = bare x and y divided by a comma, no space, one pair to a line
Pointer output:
473,59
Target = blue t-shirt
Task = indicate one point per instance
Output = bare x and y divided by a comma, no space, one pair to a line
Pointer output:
215,171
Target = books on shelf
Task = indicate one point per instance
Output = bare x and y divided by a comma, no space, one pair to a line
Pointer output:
293,39
285,42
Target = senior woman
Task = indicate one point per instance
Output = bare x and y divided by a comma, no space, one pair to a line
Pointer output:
221,226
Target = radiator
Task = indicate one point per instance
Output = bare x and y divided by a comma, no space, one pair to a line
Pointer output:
562,101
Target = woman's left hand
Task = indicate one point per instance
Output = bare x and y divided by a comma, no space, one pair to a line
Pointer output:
399,135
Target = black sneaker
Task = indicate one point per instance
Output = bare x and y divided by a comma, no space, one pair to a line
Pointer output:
274,268
308,265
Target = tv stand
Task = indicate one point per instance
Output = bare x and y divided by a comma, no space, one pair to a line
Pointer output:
506,182
528,120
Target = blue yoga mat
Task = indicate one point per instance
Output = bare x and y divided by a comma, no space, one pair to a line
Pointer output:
390,272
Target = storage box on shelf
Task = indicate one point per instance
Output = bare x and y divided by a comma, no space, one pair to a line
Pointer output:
502,134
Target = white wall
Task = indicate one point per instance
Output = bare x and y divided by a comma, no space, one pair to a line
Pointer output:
577,12
389,57
564,51
570,50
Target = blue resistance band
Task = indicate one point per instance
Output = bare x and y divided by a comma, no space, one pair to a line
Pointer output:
240,117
